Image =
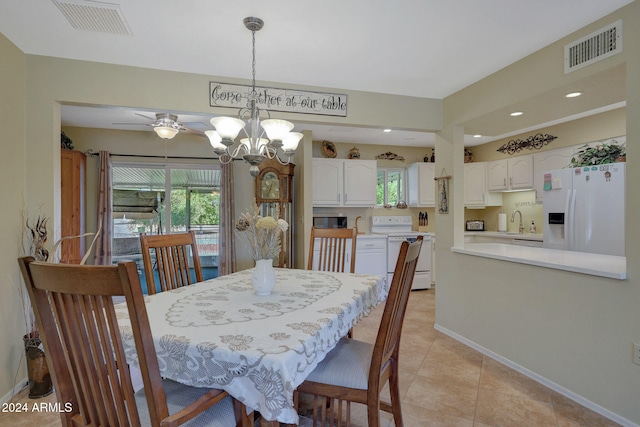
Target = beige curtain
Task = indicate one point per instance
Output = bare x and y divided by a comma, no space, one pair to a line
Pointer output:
102,254
227,262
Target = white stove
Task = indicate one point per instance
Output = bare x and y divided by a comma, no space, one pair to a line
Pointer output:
398,229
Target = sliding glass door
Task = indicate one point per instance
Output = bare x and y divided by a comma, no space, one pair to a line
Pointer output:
161,199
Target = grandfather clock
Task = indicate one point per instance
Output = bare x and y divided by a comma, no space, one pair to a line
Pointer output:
274,196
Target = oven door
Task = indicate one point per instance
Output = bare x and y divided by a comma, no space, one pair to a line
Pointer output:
393,250
422,278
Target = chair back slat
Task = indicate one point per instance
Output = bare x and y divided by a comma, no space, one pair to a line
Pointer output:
388,339
172,254
75,312
332,250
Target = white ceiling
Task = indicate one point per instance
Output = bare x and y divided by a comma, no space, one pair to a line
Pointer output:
425,48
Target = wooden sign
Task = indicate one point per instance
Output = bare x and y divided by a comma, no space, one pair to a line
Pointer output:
275,99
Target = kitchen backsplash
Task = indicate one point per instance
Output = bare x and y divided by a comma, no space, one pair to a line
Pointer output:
524,201
364,224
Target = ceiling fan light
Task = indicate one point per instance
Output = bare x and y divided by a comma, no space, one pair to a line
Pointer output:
276,129
165,132
227,127
290,142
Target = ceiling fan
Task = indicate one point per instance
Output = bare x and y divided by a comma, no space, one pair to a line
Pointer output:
166,125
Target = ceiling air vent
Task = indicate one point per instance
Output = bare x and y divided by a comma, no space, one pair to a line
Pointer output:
94,16
594,47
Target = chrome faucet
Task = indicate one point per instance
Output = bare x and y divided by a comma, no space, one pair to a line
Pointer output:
513,217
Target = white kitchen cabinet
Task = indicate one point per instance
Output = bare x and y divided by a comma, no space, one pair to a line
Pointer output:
475,187
360,182
515,173
421,184
548,161
340,182
371,255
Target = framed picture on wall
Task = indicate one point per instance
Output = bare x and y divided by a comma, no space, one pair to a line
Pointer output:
443,196
443,192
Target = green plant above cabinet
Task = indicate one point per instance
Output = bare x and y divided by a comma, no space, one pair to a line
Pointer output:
599,154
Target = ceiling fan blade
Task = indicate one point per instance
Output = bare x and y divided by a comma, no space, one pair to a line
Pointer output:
131,124
191,131
153,119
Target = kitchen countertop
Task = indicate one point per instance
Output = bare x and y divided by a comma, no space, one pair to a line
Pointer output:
614,267
506,235
371,236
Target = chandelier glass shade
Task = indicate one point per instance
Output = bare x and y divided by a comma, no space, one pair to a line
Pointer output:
268,138
165,132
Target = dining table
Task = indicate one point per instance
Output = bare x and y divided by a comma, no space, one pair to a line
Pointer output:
219,334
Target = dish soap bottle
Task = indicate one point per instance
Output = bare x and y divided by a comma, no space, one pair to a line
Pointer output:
532,228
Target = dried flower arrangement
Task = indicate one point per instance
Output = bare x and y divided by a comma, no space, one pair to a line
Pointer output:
262,233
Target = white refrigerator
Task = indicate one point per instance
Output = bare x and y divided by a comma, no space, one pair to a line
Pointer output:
584,209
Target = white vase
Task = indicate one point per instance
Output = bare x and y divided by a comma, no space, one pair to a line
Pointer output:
263,279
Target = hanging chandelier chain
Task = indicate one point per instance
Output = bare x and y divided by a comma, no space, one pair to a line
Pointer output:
265,138
253,63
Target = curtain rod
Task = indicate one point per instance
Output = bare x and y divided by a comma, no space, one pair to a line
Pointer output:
93,153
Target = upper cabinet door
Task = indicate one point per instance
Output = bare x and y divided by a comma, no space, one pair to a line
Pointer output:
521,172
474,183
421,184
498,178
327,182
360,180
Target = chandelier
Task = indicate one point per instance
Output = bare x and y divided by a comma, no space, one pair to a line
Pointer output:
268,138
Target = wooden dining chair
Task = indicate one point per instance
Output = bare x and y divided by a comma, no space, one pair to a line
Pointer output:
331,244
74,310
172,253
356,371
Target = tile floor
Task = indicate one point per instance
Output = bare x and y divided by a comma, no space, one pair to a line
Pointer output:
443,383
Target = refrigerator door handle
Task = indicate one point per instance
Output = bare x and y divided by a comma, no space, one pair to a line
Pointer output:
570,220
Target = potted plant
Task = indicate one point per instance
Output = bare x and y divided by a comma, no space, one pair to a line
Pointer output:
590,155
35,236
40,383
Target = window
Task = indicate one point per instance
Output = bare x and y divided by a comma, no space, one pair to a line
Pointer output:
141,205
391,186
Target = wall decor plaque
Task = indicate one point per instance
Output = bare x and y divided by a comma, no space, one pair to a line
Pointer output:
277,99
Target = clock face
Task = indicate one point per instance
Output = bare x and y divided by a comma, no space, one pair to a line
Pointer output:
270,188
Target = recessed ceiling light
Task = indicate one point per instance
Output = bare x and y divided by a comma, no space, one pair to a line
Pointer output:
477,136
573,94
387,130
516,113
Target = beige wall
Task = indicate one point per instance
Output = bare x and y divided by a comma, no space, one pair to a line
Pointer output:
572,331
12,188
37,85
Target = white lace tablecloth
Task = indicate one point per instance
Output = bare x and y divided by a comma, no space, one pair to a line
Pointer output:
219,334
